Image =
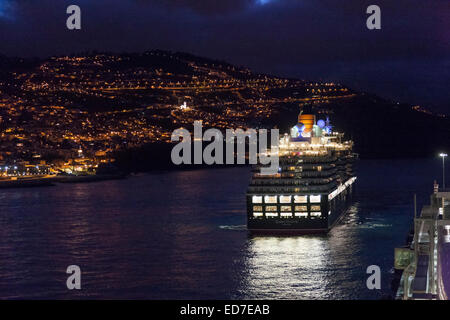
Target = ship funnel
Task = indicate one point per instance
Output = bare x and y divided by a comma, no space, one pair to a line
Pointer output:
309,120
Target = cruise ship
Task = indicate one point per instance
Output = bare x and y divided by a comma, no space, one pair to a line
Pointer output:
313,187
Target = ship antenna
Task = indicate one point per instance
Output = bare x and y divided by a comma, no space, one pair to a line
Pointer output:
415,206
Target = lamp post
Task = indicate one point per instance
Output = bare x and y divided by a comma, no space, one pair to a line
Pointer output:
443,155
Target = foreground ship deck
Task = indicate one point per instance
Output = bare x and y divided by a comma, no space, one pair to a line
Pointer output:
425,261
312,188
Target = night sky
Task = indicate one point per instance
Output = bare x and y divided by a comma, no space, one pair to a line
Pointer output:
408,60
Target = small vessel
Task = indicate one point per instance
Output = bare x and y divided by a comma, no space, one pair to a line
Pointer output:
26,182
107,172
73,178
314,184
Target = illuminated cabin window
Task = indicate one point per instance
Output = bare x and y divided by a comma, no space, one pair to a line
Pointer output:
257,199
286,214
286,208
319,168
271,214
301,214
316,214
301,208
315,208
285,199
257,208
314,199
300,199
270,199
275,175
257,214
271,208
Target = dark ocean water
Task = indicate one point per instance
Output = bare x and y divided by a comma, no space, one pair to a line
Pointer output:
182,235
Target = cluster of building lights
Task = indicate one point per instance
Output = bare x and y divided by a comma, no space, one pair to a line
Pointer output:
15,171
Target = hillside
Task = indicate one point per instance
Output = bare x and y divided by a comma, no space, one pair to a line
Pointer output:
108,103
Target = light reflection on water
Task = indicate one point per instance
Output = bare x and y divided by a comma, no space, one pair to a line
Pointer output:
275,264
182,235
303,267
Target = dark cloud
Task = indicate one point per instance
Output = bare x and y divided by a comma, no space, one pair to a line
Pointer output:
207,7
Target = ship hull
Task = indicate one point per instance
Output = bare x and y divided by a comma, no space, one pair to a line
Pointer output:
286,232
332,211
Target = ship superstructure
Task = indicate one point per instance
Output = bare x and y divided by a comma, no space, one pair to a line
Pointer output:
313,186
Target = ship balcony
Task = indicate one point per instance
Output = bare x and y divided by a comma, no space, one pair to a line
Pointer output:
304,174
292,190
307,161
291,182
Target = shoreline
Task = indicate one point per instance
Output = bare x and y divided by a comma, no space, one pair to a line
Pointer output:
52,180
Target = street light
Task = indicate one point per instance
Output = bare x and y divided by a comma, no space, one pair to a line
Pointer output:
443,155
